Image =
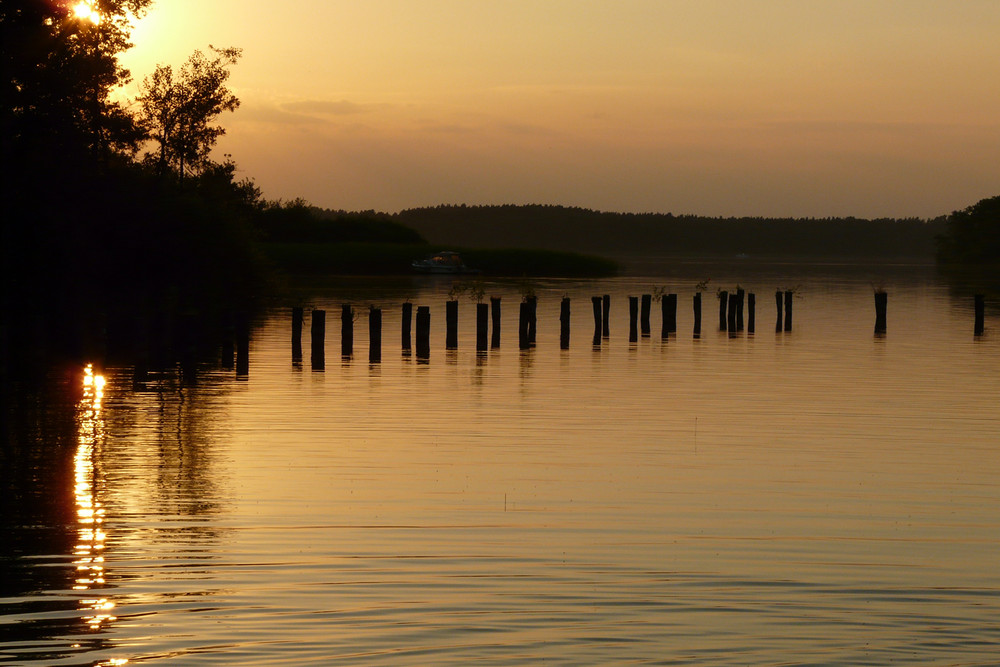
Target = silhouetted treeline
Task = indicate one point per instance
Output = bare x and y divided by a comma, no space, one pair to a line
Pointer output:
972,235
584,230
117,254
969,250
298,222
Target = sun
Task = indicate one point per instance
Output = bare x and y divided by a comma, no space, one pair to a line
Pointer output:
84,10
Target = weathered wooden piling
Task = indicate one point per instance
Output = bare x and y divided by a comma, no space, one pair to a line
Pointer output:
564,324
647,304
633,319
318,340
297,317
423,332
740,300
495,334
523,339
451,324
374,335
723,310
406,327
751,312
664,319
482,326
980,301
597,303
346,330
532,320
671,313
242,346
697,315
788,309
731,306
606,315
778,298
881,303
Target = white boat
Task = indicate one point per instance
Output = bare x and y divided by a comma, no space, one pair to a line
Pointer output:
446,261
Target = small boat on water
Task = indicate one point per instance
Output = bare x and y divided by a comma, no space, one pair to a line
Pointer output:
445,261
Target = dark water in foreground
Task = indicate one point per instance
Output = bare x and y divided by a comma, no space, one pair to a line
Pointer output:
815,497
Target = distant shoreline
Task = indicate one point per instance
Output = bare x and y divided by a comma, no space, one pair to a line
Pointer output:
617,234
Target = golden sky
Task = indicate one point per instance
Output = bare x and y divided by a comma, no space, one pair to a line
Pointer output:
716,107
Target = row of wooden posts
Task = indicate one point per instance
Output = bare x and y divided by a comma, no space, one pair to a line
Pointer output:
731,319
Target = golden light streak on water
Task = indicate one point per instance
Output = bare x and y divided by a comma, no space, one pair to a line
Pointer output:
91,537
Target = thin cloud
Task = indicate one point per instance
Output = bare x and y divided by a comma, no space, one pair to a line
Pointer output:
329,108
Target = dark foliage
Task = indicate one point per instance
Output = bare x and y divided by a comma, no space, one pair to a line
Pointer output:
56,73
583,230
177,110
297,222
972,235
362,259
358,259
90,240
123,241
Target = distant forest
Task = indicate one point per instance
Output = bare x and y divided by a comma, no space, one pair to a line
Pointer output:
619,234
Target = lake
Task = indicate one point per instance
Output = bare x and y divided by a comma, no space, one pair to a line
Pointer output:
819,496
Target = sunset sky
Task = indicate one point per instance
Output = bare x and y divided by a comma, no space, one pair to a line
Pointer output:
777,108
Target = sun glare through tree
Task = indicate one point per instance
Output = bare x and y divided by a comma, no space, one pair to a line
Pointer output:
86,11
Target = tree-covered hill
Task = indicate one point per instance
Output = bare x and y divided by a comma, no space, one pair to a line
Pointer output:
583,230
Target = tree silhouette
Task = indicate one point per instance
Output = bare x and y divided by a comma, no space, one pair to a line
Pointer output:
58,67
973,235
178,109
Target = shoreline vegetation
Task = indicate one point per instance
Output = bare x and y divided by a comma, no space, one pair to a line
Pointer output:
557,241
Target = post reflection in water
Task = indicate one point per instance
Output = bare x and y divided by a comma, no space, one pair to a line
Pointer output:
89,549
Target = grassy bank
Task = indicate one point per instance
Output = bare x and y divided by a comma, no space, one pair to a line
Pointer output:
395,259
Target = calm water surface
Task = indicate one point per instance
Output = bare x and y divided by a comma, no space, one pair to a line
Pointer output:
814,497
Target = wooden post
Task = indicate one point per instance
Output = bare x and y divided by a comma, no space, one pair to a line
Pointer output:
777,302
734,301
423,332
532,320
523,341
374,335
881,302
671,313
597,302
740,298
406,326
664,318
723,309
647,303
606,314
482,326
751,312
564,324
451,322
697,315
297,317
633,316
788,310
346,330
495,307
318,340
980,314
242,346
